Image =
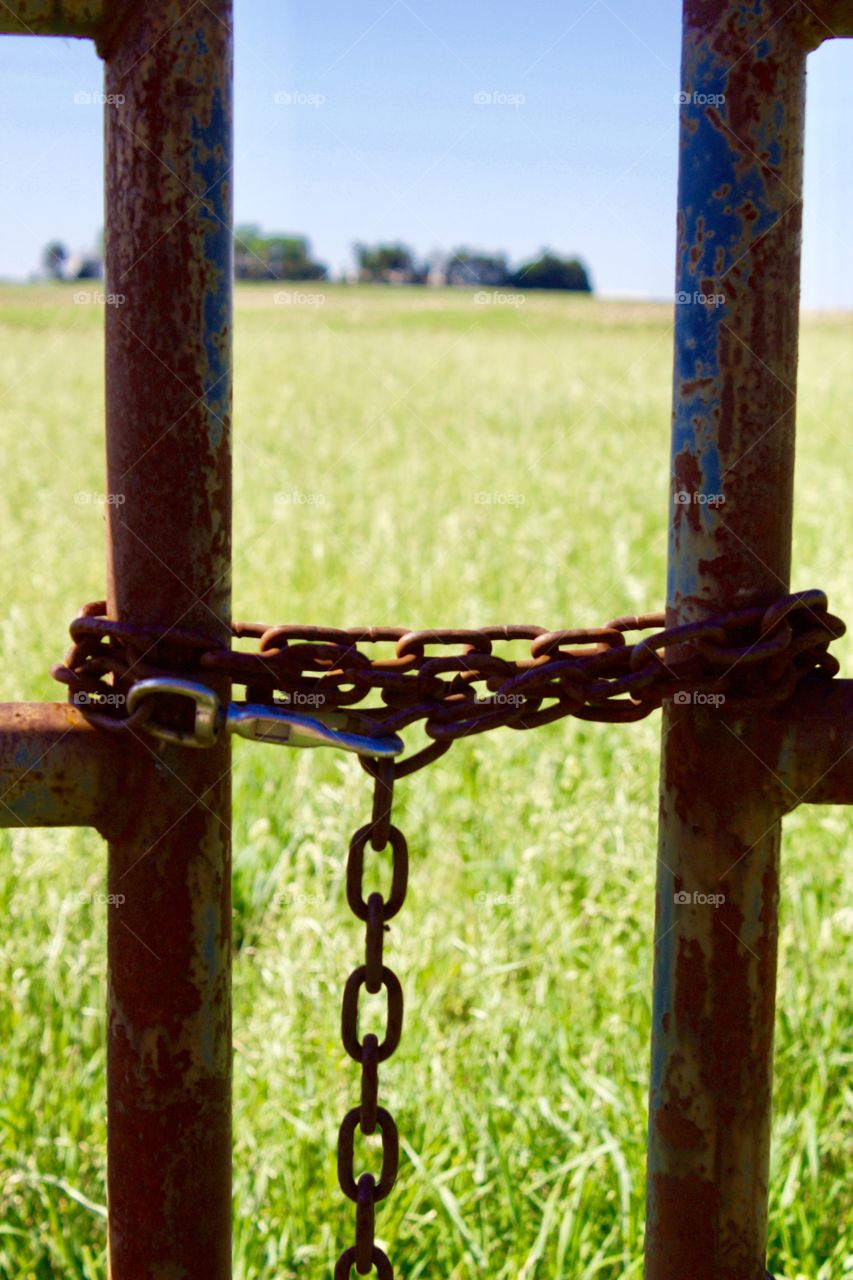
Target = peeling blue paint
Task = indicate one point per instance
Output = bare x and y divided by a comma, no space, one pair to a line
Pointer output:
724,203
35,805
211,147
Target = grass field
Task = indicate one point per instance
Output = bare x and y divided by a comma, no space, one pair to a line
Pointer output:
369,429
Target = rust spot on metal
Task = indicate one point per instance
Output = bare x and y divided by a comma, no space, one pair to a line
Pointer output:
682,1237
674,1125
691,985
748,212
688,480
691,387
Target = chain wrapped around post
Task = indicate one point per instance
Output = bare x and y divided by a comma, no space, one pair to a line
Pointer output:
312,686
751,657
374,975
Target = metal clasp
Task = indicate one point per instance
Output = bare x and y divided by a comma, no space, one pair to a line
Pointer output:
259,722
263,723
208,710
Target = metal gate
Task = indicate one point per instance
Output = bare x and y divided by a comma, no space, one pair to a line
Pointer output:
726,780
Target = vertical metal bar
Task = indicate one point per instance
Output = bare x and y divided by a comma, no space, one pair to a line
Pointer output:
169,157
739,220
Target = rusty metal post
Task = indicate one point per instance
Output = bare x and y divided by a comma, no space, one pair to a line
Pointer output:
739,221
168,367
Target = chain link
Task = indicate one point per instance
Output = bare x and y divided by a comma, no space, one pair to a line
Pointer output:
453,681
374,911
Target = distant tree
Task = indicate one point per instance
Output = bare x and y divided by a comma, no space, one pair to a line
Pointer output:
273,257
248,234
550,272
290,259
54,258
388,264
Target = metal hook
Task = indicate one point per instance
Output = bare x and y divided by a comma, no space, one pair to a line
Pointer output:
259,722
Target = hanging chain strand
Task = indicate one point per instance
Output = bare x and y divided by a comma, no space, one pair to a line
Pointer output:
373,975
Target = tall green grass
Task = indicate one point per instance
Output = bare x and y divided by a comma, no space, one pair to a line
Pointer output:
370,429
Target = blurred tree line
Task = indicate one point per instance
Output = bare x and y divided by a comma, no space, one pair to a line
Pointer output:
397,264
260,256
288,257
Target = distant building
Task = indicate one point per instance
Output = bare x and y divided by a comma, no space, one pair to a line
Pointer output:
59,264
467,269
387,264
83,266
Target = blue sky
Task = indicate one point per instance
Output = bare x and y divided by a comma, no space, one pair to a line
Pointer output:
380,135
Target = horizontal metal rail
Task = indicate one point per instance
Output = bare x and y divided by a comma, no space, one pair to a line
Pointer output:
52,17
57,771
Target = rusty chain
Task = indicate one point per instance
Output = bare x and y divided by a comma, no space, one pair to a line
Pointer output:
374,975
754,656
